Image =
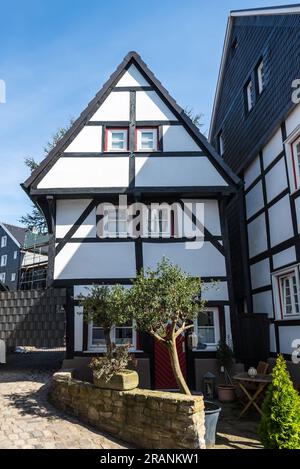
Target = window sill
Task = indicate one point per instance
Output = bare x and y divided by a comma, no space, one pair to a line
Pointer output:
289,318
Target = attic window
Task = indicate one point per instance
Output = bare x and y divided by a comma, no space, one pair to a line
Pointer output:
260,76
249,95
116,140
146,139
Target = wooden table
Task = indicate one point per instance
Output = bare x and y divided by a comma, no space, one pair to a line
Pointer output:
262,381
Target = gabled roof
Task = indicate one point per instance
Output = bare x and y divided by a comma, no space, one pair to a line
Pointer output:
276,10
130,58
17,233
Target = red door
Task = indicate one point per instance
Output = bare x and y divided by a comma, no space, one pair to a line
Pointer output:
164,378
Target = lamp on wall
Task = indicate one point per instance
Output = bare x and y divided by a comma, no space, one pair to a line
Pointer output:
192,341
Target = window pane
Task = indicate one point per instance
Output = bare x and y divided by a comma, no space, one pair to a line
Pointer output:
147,140
123,335
117,140
98,336
206,318
206,335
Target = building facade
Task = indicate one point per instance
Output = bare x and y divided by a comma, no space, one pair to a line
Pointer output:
256,127
134,140
11,239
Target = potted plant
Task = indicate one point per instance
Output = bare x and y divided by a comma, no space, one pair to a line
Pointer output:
110,371
225,355
106,307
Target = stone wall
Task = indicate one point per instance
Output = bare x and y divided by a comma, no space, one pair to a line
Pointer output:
149,419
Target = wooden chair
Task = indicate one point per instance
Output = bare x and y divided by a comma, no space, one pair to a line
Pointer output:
262,368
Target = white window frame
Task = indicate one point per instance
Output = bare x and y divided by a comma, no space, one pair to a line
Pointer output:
2,277
15,254
249,95
278,293
210,346
139,132
260,77
293,163
156,220
3,241
96,348
109,137
117,220
13,277
3,260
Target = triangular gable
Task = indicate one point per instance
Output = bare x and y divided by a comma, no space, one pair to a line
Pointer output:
131,70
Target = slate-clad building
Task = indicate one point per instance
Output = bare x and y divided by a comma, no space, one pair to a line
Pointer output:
133,139
11,239
256,128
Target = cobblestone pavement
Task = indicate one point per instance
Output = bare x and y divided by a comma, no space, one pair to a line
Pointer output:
28,420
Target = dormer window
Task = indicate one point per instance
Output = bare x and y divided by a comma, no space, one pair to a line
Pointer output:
116,140
260,77
249,95
146,139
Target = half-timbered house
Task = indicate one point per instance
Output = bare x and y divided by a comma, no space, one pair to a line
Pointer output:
256,127
134,140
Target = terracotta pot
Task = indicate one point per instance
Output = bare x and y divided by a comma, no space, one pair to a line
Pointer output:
226,392
123,381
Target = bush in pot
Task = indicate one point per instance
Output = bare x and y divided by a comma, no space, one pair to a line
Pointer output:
106,307
110,371
225,356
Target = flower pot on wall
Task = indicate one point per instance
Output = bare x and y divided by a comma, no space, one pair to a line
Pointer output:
122,381
226,392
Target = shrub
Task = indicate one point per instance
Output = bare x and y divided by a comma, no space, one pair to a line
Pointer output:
112,362
280,424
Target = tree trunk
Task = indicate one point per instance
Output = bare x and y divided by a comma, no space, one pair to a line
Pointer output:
108,340
171,344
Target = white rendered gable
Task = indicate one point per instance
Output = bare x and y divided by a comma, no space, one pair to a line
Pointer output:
114,108
132,77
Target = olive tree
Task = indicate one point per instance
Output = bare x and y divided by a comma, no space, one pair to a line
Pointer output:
106,306
164,303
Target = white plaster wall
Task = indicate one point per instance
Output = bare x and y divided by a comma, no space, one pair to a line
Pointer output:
276,180
84,290
215,292
211,214
132,77
272,338
95,260
262,303
297,205
68,211
114,108
286,336
206,261
88,140
293,120
176,138
273,148
149,106
78,328
280,218
179,171
252,172
87,172
254,200
257,236
284,257
260,274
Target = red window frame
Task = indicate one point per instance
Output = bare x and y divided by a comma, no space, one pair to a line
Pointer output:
150,127
109,129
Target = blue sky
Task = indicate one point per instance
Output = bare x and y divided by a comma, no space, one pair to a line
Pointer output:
55,55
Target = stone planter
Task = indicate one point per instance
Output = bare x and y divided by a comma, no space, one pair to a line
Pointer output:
226,392
123,381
